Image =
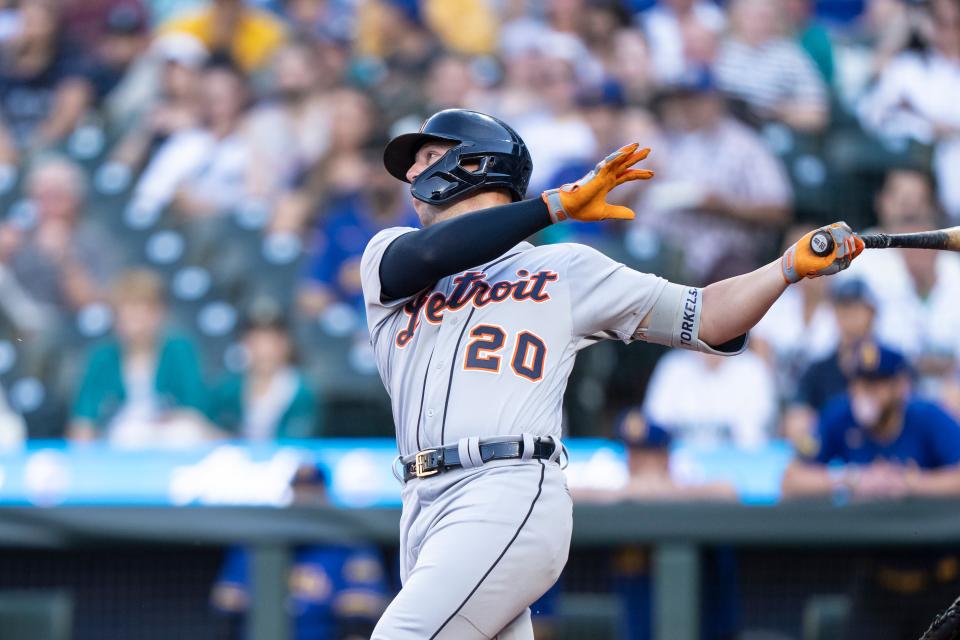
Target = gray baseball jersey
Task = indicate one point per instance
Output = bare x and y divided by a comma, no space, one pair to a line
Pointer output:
488,351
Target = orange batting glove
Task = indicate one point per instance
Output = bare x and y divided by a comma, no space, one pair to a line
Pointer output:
801,261
586,199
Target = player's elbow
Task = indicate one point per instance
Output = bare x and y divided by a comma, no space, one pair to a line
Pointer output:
723,338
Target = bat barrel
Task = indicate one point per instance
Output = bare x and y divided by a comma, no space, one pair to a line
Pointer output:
943,239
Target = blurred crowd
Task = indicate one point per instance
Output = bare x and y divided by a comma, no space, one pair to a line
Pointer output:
187,187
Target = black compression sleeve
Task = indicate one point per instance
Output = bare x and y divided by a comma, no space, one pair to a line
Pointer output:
418,259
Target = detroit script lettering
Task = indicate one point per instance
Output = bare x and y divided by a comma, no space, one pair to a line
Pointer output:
472,288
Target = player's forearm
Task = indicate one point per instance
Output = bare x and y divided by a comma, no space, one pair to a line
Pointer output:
806,480
418,259
938,483
733,306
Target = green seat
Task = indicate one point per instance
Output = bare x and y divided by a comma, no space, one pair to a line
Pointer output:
38,615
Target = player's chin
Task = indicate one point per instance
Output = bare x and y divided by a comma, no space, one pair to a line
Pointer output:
427,213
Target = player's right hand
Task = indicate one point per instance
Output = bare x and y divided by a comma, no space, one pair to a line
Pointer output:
799,261
586,199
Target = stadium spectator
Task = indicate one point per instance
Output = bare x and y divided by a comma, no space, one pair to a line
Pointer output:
142,386
234,29
557,133
344,229
123,41
44,91
321,20
336,591
799,329
720,195
162,100
270,399
393,51
205,171
811,35
56,254
854,314
648,463
916,290
722,413
450,84
891,443
774,77
628,64
87,22
882,443
916,95
292,130
683,35
342,171
468,27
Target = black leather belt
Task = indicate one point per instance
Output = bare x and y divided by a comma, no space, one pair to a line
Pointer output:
430,462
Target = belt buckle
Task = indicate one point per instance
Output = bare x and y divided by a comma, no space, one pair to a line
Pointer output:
420,464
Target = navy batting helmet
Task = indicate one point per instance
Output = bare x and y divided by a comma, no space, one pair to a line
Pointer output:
502,159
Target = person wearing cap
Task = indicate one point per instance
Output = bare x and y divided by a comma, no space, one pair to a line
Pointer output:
721,195
270,399
336,591
124,39
648,447
879,442
159,98
890,443
853,315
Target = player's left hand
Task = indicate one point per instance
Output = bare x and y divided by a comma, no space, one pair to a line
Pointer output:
586,199
799,261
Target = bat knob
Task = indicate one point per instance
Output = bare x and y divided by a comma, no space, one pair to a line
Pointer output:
821,244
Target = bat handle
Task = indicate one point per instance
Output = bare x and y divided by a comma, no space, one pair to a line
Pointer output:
821,243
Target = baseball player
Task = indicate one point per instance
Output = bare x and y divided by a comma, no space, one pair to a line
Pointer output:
475,332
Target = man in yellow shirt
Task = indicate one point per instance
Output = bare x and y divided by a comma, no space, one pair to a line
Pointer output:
248,34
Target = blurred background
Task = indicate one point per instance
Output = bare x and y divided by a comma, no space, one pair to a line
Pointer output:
195,442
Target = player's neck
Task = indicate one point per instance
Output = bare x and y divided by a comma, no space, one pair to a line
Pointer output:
476,202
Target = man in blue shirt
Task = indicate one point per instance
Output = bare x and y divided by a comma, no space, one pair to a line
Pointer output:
877,441
888,443
336,591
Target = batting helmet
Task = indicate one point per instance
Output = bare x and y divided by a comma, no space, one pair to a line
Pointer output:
502,157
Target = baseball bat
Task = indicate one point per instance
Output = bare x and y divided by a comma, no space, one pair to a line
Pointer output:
821,243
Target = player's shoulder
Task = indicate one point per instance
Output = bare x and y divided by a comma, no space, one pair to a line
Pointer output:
568,251
382,239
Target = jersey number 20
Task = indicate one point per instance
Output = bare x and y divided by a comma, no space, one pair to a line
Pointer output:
487,340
